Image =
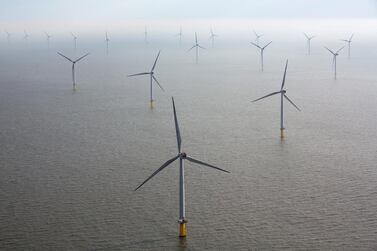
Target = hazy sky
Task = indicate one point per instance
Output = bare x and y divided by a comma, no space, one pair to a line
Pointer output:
109,10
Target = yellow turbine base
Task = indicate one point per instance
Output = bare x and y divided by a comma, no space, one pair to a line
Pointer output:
151,104
182,230
282,133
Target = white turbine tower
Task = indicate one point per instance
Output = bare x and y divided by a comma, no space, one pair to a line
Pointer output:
152,78
73,67
145,35
309,39
182,156
261,52
348,41
212,37
283,95
335,54
196,46
26,35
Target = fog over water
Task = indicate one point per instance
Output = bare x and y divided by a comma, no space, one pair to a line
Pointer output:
70,161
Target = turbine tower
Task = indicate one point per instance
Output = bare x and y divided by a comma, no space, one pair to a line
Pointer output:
283,95
145,35
152,78
180,35
309,39
74,41
8,37
182,156
196,46
348,41
212,37
48,37
26,35
73,67
335,54
261,52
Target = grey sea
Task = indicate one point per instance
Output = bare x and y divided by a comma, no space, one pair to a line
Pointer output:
70,161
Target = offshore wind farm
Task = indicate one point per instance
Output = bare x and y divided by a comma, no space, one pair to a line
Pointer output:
210,169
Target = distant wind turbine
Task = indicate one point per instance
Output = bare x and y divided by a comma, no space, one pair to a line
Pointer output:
73,67
348,41
335,54
182,156
145,35
107,43
309,39
257,37
283,95
48,37
152,77
261,52
8,36
26,35
212,37
180,35
74,40
196,46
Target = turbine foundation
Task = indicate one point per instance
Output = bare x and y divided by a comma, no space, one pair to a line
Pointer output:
151,103
282,133
182,229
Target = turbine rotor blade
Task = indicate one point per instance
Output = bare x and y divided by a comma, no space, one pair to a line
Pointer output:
290,101
329,50
158,170
351,37
65,57
139,74
191,48
285,73
178,133
154,78
81,57
339,50
267,45
306,36
271,94
205,164
202,47
256,45
155,62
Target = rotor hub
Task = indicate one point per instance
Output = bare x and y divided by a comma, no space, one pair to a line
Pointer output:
183,155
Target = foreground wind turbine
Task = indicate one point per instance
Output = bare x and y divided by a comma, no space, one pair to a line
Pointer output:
152,77
335,54
180,35
182,156
257,36
261,52
48,37
212,37
107,43
74,40
283,95
348,41
73,67
196,46
309,38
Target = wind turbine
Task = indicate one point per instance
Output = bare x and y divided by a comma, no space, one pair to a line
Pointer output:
180,35
335,54
73,67
182,156
212,37
257,36
261,51
107,43
348,41
309,39
8,36
26,35
283,95
74,40
196,46
48,36
152,77
145,35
